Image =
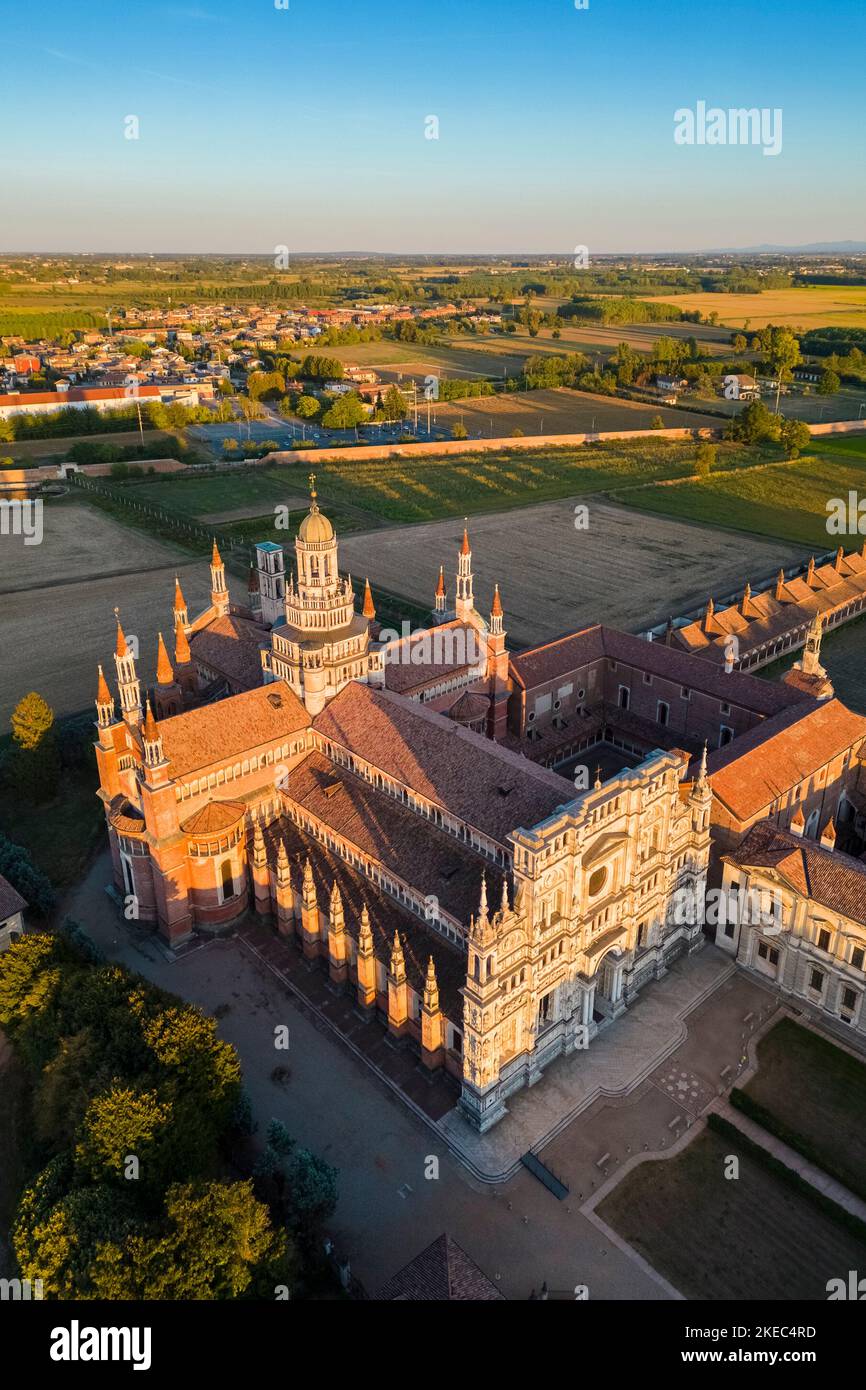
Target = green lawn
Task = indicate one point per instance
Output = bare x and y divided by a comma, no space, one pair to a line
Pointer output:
788,502
818,1093
752,1237
427,488
207,494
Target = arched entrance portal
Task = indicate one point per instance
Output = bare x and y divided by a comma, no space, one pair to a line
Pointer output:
608,999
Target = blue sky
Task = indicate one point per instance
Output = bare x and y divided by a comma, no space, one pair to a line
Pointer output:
261,127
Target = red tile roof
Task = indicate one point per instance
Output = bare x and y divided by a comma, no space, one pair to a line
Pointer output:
491,788
441,1273
540,665
406,673
214,816
11,900
823,875
220,733
231,646
767,761
76,393
435,863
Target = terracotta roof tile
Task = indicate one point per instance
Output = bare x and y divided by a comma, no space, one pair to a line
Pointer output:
768,760
432,861
214,816
220,733
823,875
231,646
491,788
441,1273
11,900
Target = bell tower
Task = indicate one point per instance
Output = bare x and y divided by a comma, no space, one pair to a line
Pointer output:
464,604
127,681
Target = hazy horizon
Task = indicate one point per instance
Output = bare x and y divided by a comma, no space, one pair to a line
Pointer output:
307,127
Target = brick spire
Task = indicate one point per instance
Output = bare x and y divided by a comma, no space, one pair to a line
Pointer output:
496,610
151,740
179,600
121,648
103,694
104,702
368,610
149,728
164,672
465,548
182,654
216,558
439,597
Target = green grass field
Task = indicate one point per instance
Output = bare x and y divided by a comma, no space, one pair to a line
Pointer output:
426,489
787,501
751,1238
816,1091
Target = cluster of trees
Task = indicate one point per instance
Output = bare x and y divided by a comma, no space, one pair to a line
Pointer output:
89,451
250,447
57,424
756,424
18,868
344,412
316,368
266,386
543,372
133,1100
615,309
457,389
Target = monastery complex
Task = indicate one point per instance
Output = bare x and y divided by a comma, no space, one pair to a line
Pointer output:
493,851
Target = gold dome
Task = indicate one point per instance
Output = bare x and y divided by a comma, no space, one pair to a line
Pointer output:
315,528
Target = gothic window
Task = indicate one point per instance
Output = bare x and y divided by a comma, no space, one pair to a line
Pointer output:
227,880
624,696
